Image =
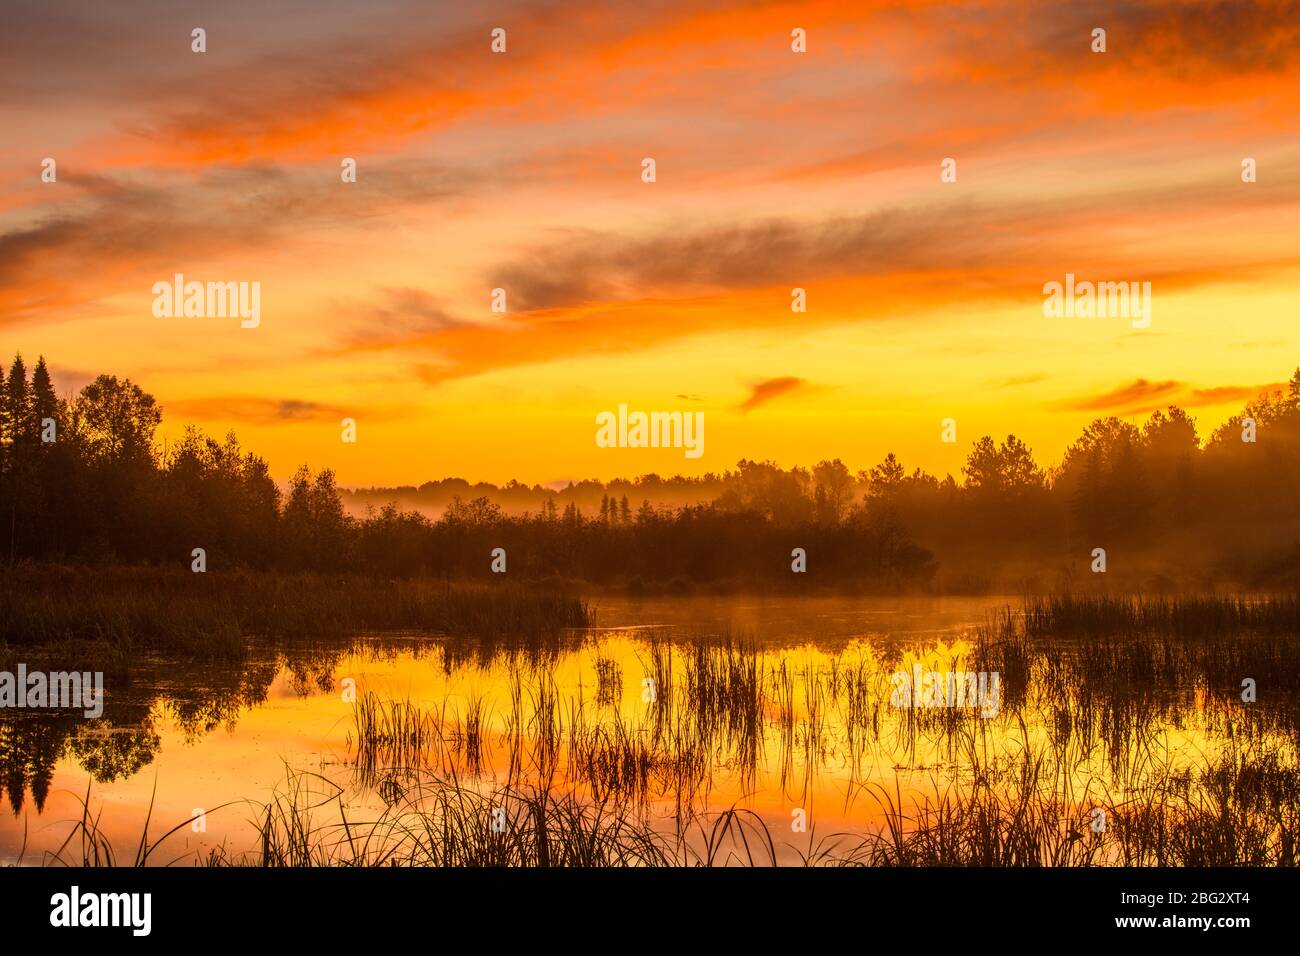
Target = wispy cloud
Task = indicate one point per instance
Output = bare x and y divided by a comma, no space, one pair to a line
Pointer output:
1016,381
1225,394
764,392
254,410
1142,395
400,313
1138,395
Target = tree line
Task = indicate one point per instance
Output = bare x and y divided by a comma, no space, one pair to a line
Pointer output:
84,479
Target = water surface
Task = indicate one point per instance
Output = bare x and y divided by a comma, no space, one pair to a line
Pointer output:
779,706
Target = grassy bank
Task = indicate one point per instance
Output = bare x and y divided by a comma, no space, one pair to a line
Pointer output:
214,615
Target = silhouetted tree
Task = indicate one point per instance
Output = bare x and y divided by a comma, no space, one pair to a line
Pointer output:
105,490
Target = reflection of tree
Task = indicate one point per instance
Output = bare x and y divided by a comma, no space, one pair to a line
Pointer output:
31,743
122,741
215,697
29,748
198,698
313,673
114,754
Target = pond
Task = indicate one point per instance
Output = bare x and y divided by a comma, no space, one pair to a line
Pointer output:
673,710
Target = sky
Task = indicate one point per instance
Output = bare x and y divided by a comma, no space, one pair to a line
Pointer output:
774,170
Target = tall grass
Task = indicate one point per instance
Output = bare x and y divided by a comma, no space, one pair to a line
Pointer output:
1076,770
1238,810
214,615
1071,615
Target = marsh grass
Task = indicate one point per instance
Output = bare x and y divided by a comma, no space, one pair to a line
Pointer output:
1183,616
1238,810
1019,790
213,616
88,846
609,681
1084,728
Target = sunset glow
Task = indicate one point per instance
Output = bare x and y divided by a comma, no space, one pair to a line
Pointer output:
775,171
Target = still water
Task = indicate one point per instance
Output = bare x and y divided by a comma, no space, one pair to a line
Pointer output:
678,706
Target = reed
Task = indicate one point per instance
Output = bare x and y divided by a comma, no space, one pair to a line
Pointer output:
1240,809
214,615
595,782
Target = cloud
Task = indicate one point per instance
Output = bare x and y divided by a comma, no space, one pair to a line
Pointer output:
981,246
1142,395
1016,381
1227,394
116,234
606,292
606,267
254,410
1138,395
402,312
764,392
310,82
1183,39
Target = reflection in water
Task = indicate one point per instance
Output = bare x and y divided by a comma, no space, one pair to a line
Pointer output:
678,713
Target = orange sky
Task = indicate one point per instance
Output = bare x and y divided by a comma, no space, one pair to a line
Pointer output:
775,170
